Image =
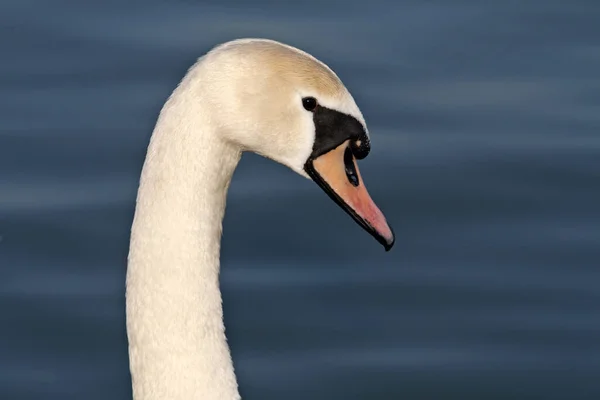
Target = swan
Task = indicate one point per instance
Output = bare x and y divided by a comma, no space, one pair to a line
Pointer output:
254,95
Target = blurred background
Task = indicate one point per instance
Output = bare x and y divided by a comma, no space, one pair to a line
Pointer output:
485,122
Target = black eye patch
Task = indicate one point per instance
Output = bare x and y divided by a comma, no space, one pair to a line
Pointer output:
334,128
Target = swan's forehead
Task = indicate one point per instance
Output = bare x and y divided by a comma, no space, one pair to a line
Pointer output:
291,64
296,71
310,77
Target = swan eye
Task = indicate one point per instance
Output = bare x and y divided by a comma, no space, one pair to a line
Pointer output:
309,103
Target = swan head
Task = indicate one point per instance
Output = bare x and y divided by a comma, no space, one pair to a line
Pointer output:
284,104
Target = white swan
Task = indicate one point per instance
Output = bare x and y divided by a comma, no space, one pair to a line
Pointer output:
245,95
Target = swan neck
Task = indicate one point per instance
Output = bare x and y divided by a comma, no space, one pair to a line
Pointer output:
177,343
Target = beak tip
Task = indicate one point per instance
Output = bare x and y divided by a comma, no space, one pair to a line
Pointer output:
388,242
388,247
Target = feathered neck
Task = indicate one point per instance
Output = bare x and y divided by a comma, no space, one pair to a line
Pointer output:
177,344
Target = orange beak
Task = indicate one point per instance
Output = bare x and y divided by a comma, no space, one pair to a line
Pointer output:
337,173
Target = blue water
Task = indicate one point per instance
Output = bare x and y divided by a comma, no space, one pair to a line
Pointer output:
485,118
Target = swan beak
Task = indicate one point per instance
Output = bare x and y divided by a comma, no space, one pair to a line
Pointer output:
336,172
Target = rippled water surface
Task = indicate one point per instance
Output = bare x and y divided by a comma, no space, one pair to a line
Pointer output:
485,121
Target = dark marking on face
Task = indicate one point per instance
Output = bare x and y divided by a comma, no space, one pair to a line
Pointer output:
334,128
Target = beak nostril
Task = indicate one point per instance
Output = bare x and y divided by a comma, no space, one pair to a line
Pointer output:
350,167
